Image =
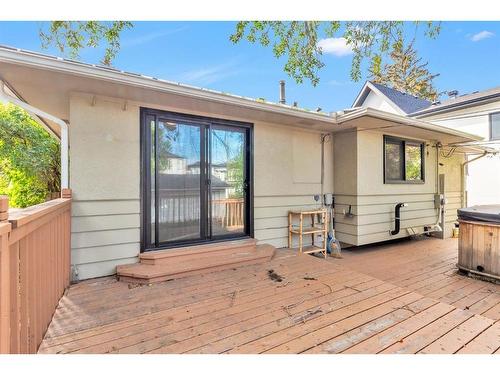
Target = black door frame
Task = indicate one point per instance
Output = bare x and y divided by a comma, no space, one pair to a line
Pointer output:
205,124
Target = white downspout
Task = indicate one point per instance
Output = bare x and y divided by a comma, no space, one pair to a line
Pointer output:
64,130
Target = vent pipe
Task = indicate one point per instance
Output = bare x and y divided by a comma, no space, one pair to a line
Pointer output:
397,218
282,92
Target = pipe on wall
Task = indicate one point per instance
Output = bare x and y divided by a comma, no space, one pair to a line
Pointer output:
397,218
64,131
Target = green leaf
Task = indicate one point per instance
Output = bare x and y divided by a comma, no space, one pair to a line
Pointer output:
70,37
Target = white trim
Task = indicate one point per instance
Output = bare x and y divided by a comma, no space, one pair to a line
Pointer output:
403,120
64,130
361,93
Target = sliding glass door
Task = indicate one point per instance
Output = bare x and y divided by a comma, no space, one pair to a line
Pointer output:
196,180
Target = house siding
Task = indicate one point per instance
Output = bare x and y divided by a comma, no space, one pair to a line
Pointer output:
373,202
105,179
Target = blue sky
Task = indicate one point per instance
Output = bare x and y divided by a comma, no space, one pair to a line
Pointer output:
466,55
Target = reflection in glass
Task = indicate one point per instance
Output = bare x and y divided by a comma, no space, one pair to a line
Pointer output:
413,160
179,204
227,181
393,161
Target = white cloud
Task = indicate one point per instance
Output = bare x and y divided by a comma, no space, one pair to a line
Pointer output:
209,74
482,35
146,38
334,82
335,46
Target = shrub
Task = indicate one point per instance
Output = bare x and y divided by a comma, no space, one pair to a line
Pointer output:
29,158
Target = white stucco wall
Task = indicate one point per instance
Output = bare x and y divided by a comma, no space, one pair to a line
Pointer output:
105,178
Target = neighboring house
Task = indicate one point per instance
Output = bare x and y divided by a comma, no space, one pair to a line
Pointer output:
370,159
477,113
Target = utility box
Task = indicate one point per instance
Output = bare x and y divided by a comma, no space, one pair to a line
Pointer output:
439,200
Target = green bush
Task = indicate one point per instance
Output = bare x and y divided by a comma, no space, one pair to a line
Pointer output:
29,158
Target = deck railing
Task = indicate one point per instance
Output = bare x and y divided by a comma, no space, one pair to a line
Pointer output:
34,270
229,212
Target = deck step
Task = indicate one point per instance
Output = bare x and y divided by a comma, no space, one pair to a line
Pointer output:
141,273
198,251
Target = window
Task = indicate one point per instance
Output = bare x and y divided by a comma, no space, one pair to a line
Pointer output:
403,161
495,126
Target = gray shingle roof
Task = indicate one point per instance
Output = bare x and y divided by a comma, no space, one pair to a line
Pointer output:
406,102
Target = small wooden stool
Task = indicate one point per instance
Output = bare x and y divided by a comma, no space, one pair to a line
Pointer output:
302,229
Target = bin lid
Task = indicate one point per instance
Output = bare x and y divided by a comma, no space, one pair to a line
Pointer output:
486,213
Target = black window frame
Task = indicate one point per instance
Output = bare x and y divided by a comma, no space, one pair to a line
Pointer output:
145,188
491,126
403,142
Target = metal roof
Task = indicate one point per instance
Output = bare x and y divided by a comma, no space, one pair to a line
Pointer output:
103,68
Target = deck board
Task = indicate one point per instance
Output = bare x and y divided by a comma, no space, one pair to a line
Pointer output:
409,300
428,267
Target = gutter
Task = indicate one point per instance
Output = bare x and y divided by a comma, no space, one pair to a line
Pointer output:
64,131
40,61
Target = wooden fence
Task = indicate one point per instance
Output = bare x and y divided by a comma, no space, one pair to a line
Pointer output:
34,270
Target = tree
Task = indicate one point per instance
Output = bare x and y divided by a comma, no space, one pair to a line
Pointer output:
73,36
29,158
295,40
298,42
235,175
406,73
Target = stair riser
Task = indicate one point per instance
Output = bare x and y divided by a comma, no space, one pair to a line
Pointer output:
195,250
202,254
195,272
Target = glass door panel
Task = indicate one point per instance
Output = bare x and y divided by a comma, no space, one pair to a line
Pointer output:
178,178
227,181
196,180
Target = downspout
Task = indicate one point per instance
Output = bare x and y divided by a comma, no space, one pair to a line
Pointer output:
64,130
464,165
325,137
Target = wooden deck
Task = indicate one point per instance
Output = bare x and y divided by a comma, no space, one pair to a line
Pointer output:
306,305
428,267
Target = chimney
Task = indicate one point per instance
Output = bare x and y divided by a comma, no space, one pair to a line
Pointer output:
453,94
282,92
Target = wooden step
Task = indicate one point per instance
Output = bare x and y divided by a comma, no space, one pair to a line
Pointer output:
199,251
141,273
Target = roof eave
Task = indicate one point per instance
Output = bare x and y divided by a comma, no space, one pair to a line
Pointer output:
95,72
406,121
